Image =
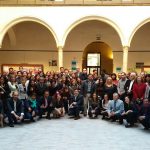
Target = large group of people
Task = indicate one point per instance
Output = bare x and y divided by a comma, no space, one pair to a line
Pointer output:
123,97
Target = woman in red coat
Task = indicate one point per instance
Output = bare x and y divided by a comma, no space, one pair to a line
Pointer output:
139,88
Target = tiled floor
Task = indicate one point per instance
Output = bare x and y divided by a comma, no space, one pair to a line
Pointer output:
69,134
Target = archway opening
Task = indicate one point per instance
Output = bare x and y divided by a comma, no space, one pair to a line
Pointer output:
104,60
29,42
140,49
87,32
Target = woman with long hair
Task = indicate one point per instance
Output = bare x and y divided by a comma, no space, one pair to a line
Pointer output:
58,105
94,109
110,88
139,88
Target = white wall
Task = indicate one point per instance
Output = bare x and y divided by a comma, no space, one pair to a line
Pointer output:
60,21
124,18
68,57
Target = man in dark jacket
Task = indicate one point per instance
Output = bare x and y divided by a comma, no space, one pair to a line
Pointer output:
144,114
41,87
46,105
1,113
76,105
129,85
88,87
15,109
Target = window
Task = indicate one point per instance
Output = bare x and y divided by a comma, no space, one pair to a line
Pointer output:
93,59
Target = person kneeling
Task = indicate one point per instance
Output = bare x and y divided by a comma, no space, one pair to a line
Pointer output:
76,105
15,110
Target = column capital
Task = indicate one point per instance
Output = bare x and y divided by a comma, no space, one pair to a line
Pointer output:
60,47
126,48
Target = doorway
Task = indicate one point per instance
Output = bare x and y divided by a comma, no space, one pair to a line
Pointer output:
98,56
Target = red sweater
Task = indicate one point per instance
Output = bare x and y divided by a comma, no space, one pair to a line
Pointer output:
139,90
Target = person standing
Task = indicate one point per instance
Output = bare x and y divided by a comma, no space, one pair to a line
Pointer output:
120,86
88,87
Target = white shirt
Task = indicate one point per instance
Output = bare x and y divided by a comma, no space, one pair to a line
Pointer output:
15,109
131,83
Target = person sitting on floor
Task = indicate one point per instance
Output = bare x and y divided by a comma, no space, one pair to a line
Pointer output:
30,111
144,114
58,106
104,108
115,109
94,109
46,105
76,105
129,113
15,109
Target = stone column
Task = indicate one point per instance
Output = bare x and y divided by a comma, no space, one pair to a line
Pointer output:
125,58
60,56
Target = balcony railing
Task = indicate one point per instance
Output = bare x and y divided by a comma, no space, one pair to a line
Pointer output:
72,2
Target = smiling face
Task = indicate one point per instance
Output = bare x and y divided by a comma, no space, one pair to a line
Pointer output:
15,96
46,93
106,97
145,102
127,100
94,96
139,79
115,96
109,80
76,92
2,80
132,76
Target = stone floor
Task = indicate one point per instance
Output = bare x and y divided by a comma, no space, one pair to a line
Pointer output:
69,134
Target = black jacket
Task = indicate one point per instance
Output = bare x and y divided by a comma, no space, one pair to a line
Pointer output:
49,101
19,106
84,87
79,100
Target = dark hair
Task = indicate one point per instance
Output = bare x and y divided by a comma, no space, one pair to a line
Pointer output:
11,68
19,72
107,96
46,91
33,94
113,74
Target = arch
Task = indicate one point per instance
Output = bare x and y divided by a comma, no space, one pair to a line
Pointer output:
12,37
90,18
136,29
22,19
